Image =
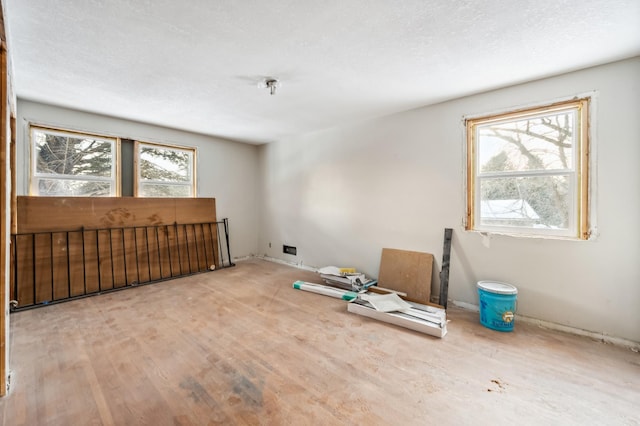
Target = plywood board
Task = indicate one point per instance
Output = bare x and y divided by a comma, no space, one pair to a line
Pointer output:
407,271
46,214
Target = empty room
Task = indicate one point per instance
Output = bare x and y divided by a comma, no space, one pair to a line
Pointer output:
316,213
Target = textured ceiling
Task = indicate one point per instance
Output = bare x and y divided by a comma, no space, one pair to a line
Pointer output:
195,64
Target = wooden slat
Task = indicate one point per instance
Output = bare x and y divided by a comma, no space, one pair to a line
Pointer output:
106,267
198,247
154,260
174,251
144,269
44,292
24,246
191,248
120,279
46,214
213,232
91,261
184,253
204,258
60,266
76,266
165,264
130,250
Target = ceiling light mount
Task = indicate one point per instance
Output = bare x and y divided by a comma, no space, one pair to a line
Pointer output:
270,83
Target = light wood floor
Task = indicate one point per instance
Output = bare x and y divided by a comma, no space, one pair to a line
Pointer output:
240,346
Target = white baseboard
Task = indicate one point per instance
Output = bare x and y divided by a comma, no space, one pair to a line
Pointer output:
299,265
467,306
241,258
617,341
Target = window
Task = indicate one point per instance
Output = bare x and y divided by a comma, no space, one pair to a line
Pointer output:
73,164
527,171
69,163
164,171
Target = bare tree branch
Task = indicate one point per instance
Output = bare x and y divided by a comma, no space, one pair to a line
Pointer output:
556,142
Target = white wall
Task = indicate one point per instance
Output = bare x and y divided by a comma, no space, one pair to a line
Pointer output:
226,170
341,195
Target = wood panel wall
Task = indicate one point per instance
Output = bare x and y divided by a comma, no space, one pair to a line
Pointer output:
71,246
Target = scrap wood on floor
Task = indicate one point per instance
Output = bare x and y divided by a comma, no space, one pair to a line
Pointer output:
405,272
389,308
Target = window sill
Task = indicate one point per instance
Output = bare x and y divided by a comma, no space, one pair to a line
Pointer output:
489,234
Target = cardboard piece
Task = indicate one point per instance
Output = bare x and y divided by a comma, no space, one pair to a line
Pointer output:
407,271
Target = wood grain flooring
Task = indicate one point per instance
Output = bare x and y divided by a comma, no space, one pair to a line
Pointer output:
240,346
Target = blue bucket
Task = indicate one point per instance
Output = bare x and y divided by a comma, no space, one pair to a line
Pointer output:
497,305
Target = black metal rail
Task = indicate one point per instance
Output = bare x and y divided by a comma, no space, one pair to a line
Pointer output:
49,268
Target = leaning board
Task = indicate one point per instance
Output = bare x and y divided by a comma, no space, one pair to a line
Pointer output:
47,214
407,271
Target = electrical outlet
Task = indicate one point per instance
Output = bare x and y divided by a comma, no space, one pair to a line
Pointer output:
289,250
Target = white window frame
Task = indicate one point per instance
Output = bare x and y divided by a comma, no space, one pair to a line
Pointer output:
35,176
579,215
138,145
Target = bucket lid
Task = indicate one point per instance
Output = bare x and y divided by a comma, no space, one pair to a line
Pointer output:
497,287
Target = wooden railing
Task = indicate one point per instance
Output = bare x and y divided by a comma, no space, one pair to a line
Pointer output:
53,265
